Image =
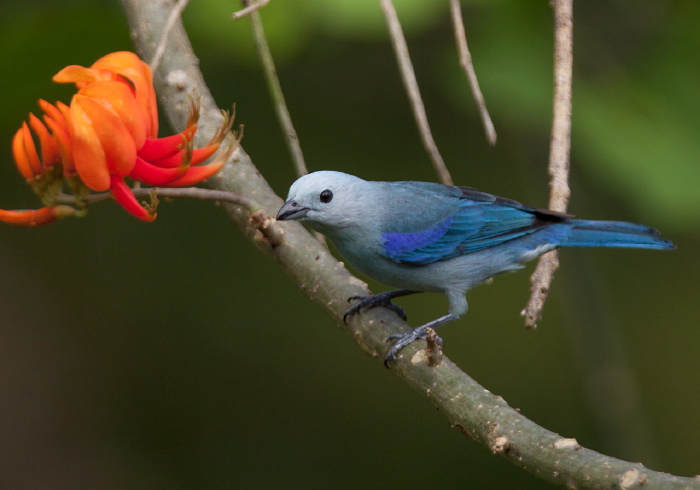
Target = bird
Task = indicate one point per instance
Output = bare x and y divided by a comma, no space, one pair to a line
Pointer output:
429,237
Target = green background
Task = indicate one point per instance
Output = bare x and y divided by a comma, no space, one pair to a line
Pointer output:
174,355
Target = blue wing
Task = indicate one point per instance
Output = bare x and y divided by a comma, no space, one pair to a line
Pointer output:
476,221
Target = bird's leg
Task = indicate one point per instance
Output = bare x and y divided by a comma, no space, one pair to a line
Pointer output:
381,299
404,339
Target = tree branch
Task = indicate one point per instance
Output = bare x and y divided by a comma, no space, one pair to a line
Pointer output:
559,151
465,61
408,75
249,8
273,85
468,406
173,16
169,192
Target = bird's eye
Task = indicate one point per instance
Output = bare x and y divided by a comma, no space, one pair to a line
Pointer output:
326,196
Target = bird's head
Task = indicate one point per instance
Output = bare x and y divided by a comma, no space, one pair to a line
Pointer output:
324,200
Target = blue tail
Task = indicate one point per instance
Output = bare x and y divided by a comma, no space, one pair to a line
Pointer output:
586,233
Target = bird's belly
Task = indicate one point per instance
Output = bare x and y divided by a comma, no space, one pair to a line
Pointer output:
460,273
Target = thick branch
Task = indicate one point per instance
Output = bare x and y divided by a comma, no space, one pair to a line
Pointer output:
469,407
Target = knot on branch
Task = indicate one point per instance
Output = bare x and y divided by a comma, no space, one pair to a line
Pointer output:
266,230
179,79
434,348
567,443
632,478
498,444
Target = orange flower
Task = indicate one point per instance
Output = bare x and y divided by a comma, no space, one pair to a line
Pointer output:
35,217
108,133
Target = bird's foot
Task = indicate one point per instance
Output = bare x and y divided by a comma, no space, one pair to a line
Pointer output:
381,299
404,339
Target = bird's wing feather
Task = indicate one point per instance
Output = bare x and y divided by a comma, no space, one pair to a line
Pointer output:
478,221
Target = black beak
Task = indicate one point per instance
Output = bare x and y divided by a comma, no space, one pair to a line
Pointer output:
291,210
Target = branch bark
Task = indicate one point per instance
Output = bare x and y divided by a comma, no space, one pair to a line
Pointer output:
468,406
465,61
274,86
559,152
408,76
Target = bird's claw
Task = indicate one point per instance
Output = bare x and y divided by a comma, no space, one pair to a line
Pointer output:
365,302
404,339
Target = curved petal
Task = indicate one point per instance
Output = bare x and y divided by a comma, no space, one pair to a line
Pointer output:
178,159
30,150
113,136
119,97
130,66
88,155
123,195
81,75
53,112
201,154
63,142
63,109
49,155
20,155
150,174
159,148
197,174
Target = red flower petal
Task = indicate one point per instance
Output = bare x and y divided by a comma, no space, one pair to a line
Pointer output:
197,174
201,154
179,159
125,197
156,149
150,174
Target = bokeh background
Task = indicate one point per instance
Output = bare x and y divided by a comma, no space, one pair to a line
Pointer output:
174,355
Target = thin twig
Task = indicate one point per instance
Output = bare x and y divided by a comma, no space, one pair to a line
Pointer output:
252,7
172,193
465,61
273,84
172,18
433,348
408,75
199,193
559,151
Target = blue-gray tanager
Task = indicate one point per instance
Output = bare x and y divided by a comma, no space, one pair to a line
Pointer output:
421,236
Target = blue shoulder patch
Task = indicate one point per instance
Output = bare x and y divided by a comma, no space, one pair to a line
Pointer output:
398,245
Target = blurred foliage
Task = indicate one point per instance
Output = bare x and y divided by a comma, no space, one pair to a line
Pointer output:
636,101
173,355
